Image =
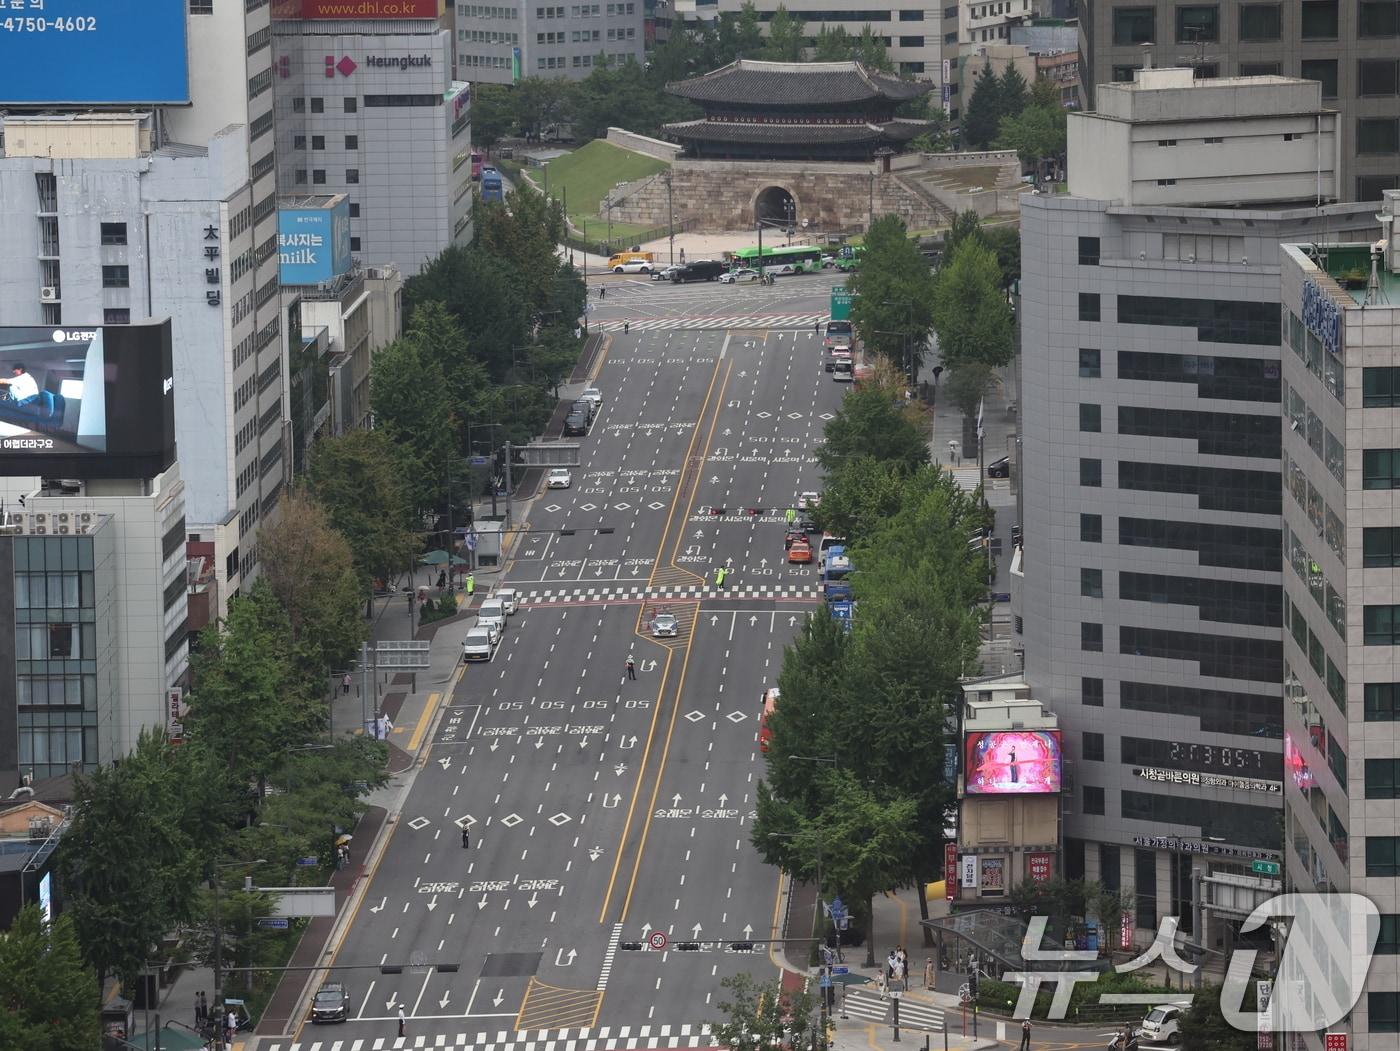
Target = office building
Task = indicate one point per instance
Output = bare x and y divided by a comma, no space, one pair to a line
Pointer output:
1351,49
1341,591
1149,587
500,44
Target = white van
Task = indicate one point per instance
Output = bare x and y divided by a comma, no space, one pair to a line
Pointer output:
507,598
480,643
1162,1025
493,614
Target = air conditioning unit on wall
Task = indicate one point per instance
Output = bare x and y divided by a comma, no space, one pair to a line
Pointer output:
49,294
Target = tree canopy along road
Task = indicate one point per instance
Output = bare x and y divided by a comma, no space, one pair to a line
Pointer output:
604,810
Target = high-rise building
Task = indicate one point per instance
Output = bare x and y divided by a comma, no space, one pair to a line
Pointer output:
368,108
1350,49
1341,595
1149,583
500,43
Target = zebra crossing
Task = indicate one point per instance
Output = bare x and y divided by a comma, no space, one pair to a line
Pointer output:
711,321
604,1038
640,593
868,1006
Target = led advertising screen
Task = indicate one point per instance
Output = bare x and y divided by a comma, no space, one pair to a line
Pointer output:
371,9
86,403
1013,762
93,51
313,244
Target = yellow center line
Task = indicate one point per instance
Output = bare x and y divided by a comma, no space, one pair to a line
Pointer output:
700,467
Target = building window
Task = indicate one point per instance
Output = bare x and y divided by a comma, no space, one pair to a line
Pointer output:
1378,76
1090,418
1092,690
1092,747
1091,637
318,142
201,7
1134,25
1091,529
1089,364
1380,546
116,277
1380,469
1322,70
352,142
1093,799
318,176
352,175
116,316
351,105
1090,472
298,105
1388,944
1382,860
1319,19
1383,778
354,244
299,176
1382,626
1145,888
1091,583
1088,251
1124,74
1380,388
318,105
1088,306
114,233
1382,1009
1261,21
1378,18
1378,135
1382,702
1197,23
298,142
354,210
1257,69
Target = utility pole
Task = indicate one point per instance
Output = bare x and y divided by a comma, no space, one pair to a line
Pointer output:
670,217
508,485
759,223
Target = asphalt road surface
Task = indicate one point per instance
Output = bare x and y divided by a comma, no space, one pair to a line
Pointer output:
603,810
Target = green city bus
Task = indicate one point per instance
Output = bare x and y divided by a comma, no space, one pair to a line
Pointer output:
848,258
790,259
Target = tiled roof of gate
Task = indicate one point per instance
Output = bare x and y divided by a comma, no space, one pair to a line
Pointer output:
795,84
815,134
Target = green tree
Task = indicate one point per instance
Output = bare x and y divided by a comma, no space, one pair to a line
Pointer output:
1034,133
972,316
871,52
493,113
759,1016
893,309
358,478
939,137
859,493
965,224
311,571
538,102
414,410
1014,92
1045,92
833,44
1005,241
49,999
785,40
1203,1025
740,35
873,422
967,384
984,110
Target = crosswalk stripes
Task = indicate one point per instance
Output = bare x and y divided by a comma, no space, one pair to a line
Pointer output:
637,593
868,1006
755,321
609,956
604,1038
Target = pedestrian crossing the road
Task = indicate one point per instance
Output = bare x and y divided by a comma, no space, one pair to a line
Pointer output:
868,1006
713,321
604,1038
639,593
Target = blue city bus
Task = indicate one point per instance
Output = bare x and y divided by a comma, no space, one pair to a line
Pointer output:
491,189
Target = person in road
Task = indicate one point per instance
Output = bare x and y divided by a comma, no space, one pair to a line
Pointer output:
626,327
602,292
1025,1036
402,1022
791,515
466,839
720,574
471,584
631,668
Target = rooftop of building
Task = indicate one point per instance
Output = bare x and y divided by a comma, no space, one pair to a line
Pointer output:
795,84
1367,272
818,134
309,200
1170,94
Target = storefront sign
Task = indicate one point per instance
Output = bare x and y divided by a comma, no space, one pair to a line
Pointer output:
174,705
1192,777
969,871
1040,867
1192,846
950,870
1322,317
993,875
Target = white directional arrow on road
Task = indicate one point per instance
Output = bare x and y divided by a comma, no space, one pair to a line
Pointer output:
627,742
792,621
748,930
699,534
380,907
444,762
652,665
482,903
753,620
559,960
389,1003
432,904
616,799
713,620
714,479
763,562
695,931
727,432
539,743
676,799
583,743
498,998
646,929
723,799
443,1001
594,853
495,744
729,561
534,900
620,769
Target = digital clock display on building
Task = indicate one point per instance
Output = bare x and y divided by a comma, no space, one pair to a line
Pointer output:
1205,758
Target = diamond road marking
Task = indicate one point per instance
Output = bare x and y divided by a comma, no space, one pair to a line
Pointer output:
560,819
552,507
826,416
465,821
794,415
736,717
622,507
418,824
764,415
655,505
587,507
511,820
695,717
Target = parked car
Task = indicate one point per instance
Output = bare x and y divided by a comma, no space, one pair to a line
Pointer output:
1162,1025
664,626
331,1004
493,614
583,405
742,276
592,394
508,598
480,643
999,468
576,423
559,478
633,267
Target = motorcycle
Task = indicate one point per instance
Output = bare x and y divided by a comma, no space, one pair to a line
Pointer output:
1118,1044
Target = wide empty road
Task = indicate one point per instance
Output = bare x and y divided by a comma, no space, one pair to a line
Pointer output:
604,811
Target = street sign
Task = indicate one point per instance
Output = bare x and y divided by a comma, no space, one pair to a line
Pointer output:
480,461
826,980
657,940
965,993
843,969
1336,1042
309,862
1265,868
277,923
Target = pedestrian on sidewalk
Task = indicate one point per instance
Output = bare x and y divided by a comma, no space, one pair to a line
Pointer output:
953,450
345,683
401,1021
1025,1035
471,585
198,1010
466,839
442,580
230,1027
631,667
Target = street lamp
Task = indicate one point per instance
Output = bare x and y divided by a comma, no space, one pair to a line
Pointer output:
219,920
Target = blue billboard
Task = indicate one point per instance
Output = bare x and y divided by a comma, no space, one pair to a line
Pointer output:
313,244
93,51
